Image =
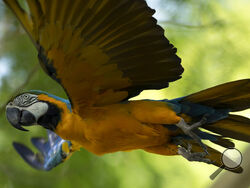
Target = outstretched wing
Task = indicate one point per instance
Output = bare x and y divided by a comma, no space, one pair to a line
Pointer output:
49,155
100,51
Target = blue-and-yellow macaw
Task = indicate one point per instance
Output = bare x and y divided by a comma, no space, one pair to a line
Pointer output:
104,52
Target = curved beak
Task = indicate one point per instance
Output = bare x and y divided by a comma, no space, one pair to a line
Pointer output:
18,118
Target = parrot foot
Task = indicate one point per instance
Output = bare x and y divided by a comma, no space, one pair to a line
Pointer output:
196,156
188,130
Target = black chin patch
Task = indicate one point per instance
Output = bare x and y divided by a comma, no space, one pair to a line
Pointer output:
52,117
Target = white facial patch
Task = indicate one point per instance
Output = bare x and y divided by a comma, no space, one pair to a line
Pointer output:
38,109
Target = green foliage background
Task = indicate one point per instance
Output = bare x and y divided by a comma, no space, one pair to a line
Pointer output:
212,38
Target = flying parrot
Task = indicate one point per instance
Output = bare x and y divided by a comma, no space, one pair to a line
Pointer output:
104,52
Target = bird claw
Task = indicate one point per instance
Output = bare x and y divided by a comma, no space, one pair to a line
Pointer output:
196,156
188,130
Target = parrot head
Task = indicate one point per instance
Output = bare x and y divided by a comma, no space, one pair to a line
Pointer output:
29,109
40,108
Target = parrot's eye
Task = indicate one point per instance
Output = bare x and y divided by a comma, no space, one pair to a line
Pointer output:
10,103
25,96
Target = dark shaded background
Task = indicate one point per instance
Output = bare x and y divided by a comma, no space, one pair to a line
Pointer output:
212,38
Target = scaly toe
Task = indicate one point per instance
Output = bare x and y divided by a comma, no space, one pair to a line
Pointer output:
196,156
188,130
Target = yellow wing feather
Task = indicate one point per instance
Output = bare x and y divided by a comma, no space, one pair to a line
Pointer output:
21,15
100,51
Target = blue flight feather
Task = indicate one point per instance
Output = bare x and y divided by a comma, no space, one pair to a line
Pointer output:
50,152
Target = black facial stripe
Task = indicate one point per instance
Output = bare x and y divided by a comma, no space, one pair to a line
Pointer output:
52,117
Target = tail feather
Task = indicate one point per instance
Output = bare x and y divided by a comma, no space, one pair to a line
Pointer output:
233,95
217,103
226,143
219,140
230,97
236,127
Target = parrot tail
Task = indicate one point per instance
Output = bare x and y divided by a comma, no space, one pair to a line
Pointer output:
232,95
217,102
234,126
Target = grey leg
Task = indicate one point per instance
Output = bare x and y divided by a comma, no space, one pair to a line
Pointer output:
197,156
188,130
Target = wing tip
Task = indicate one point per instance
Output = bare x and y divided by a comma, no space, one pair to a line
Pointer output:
28,156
